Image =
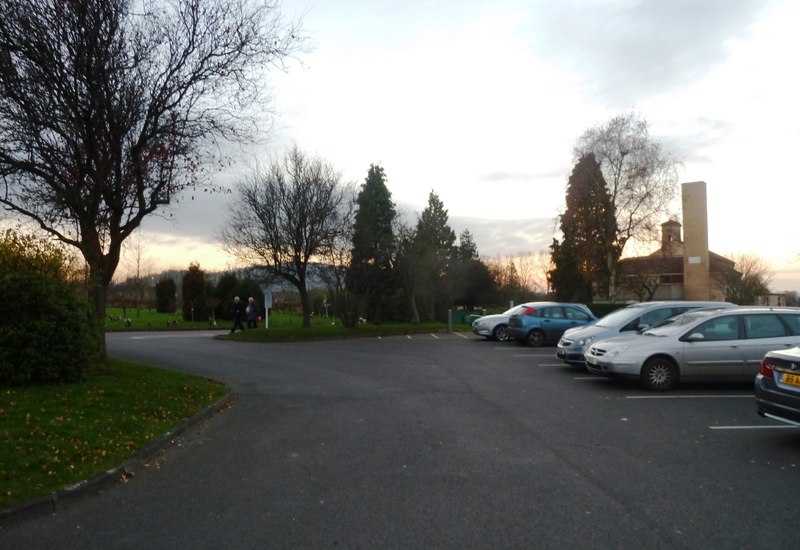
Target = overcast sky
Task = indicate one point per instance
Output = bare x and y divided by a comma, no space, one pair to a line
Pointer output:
482,102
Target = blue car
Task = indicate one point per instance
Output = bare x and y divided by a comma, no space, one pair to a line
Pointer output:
537,323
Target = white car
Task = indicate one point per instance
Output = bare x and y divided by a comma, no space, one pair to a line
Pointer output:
712,344
576,341
494,327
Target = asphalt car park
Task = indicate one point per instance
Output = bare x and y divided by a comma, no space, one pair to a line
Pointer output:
445,440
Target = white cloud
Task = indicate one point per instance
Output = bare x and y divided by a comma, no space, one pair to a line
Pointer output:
482,102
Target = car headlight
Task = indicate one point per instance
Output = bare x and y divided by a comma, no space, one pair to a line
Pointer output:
616,352
583,342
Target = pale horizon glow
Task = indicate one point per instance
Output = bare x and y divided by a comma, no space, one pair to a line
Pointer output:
483,102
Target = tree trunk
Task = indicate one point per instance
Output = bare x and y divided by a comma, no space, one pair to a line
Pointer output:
414,312
612,278
101,270
305,305
97,296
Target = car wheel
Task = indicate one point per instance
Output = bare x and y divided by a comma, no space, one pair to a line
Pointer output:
500,333
535,338
659,374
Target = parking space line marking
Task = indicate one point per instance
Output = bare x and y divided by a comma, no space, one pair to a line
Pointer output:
750,427
747,396
465,337
590,378
436,337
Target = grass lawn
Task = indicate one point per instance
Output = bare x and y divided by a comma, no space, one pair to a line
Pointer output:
55,436
283,327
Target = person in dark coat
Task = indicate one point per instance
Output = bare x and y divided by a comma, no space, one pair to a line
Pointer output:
237,311
252,313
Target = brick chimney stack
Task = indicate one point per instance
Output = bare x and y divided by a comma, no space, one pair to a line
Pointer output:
696,266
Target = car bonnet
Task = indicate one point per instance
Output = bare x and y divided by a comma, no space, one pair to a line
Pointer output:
617,341
588,331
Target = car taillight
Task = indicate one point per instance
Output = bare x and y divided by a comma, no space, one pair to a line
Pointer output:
765,368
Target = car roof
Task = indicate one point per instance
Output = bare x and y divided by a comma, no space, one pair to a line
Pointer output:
758,309
552,304
658,303
706,313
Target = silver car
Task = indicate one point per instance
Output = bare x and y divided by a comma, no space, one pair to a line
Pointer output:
576,341
494,327
713,344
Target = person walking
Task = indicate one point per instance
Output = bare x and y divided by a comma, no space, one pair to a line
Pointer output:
252,313
237,311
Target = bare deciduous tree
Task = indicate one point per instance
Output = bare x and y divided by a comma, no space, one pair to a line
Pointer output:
532,270
641,179
294,212
749,279
110,108
140,267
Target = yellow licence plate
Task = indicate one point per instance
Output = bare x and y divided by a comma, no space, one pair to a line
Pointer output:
791,379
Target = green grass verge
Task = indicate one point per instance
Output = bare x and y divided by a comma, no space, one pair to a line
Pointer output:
283,327
52,437
283,331
118,319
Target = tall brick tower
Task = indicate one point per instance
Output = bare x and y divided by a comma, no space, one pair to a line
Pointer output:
696,267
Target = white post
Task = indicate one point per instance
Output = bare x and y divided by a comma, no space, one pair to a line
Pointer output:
267,305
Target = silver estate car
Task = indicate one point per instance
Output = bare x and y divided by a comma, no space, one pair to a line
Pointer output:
576,341
712,344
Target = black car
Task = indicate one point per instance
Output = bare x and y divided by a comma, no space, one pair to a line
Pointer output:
778,386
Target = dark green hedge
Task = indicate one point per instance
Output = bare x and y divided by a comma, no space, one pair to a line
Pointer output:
47,332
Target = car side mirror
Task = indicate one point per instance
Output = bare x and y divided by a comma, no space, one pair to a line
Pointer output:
695,337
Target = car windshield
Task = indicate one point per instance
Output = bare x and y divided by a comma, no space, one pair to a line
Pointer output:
678,323
620,317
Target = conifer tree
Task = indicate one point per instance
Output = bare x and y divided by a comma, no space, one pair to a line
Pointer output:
369,277
193,289
434,247
588,253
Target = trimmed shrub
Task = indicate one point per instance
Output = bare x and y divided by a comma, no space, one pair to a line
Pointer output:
48,333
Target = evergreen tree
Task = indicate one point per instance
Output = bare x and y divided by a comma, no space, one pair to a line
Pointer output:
434,247
467,249
369,277
224,292
565,278
640,178
193,289
469,279
165,295
588,253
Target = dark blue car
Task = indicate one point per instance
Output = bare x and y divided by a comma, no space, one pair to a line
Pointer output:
537,323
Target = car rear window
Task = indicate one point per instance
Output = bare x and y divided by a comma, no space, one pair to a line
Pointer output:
576,314
793,321
764,326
